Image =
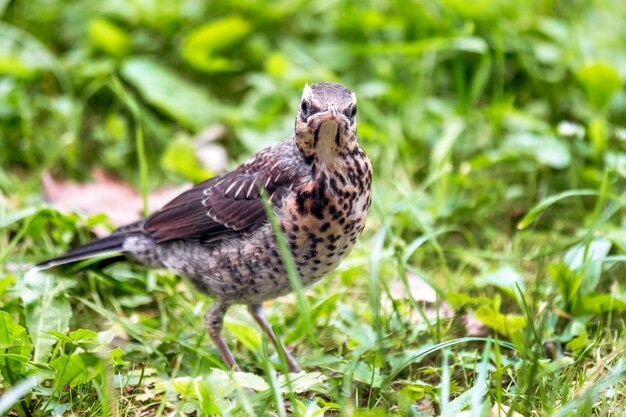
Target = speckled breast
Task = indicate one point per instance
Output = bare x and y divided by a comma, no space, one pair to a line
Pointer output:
323,219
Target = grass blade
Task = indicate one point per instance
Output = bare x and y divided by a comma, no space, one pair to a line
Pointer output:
536,211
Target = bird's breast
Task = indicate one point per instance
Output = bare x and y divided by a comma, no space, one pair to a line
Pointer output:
323,217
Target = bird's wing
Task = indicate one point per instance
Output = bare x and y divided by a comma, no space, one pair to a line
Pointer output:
221,206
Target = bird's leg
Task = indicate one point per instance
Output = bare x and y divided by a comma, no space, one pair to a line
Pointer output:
213,320
257,312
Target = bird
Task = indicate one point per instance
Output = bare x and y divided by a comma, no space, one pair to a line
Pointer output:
218,234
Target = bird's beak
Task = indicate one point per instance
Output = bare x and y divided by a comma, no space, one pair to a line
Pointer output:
333,110
331,114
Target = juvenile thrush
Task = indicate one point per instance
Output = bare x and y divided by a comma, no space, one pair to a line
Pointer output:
218,234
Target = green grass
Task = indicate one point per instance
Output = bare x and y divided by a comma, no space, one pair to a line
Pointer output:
497,133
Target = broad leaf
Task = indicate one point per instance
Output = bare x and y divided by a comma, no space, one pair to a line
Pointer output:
601,81
505,324
170,93
46,309
587,259
201,44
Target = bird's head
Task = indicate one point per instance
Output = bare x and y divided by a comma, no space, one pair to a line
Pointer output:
326,121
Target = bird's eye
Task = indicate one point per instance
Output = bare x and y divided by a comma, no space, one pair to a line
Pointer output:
351,111
304,107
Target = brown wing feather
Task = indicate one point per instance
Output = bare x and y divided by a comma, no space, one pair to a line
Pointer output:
228,204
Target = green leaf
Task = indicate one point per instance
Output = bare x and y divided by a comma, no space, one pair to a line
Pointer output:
23,55
116,357
221,383
246,335
67,369
11,333
46,309
200,45
14,345
588,258
597,131
505,278
83,334
105,35
365,373
324,307
18,215
600,303
601,81
301,382
277,65
60,336
135,300
6,283
616,161
164,89
180,157
408,396
505,324
15,357
567,280
545,149
76,369
578,343
185,385
16,67
204,390
459,300
248,380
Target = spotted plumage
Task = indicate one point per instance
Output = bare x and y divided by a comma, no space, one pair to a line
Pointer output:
218,233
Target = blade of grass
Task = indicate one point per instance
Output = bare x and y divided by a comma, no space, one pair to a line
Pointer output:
274,386
444,396
481,382
431,349
536,211
15,395
374,287
594,391
140,147
292,271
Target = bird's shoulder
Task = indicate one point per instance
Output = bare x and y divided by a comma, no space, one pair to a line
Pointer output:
232,202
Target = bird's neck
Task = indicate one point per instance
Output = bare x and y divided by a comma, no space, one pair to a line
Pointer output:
328,164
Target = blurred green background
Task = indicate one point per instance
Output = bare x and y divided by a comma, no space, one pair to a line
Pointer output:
443,82
497,132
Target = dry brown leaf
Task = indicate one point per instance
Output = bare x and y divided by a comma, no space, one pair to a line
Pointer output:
418,289
426,406
105,194
474,327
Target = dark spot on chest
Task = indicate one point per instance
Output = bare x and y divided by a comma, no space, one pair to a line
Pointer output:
333,238
308,159
301,200
313,201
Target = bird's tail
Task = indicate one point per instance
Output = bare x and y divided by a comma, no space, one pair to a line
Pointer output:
108,245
